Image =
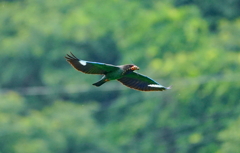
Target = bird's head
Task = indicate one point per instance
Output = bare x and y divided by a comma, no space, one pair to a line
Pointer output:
131,67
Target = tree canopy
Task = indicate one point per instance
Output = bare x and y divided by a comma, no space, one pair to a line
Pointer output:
47,106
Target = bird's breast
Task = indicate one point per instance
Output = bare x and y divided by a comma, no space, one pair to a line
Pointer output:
114,75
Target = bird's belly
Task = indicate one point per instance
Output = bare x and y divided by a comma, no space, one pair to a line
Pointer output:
113,76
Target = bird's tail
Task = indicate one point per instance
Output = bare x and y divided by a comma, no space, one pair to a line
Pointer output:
99,83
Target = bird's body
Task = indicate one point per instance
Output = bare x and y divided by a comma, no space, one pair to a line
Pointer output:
108,77
123,73
114,74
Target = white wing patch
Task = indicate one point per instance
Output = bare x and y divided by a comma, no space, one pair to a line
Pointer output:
84,63
155,85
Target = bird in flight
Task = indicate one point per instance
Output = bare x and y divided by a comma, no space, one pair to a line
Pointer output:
123,73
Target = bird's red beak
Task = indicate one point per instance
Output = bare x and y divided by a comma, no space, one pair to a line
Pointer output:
134,67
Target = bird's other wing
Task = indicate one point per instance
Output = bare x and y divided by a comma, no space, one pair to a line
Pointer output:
90,67
141,82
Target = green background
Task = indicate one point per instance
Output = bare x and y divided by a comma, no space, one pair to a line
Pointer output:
48,107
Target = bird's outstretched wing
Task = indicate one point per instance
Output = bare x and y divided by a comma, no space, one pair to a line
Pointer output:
140,82
90,67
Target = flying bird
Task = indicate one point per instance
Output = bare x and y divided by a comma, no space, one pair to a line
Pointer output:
123,73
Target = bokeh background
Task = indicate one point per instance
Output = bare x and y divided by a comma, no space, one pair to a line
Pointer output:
48,107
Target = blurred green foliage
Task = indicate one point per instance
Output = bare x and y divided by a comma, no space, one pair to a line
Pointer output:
47,106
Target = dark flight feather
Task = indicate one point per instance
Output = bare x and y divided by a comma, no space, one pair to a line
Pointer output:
141,82
88,66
